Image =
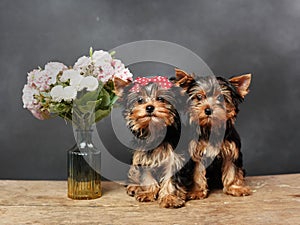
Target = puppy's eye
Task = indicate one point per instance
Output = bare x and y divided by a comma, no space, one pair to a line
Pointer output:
199,97
140,100
161,99
220,98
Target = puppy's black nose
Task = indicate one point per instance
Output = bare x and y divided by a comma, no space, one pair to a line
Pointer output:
208,111
149,108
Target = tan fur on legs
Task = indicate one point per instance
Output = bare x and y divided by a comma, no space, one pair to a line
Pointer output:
168,196
133,189
171,196
199,190
143,186
233,180
134,177
149,187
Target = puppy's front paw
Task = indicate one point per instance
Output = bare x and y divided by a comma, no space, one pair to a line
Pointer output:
146,196
199,194
171,201
236,190
132,190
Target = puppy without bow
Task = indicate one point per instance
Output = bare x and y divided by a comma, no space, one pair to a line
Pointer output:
213,107
154,121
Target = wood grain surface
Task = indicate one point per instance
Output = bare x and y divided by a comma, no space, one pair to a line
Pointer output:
275,200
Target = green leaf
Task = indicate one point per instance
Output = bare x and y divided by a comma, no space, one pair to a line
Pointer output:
100,114
88,96
45,94
59,108
105,98
84,109
112,53
109,86
114,99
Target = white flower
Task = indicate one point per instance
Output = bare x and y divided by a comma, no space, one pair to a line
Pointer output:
69,93
82,63
78,81
75,81
69,74
52,69
55,67
90,83
101,57
74,77
28,96
57,93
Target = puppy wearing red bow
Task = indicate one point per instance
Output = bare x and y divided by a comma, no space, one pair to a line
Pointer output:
155,123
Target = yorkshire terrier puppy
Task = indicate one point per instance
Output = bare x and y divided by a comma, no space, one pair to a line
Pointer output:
155,123
213,107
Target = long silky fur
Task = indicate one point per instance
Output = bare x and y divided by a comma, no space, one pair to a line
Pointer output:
225,149
162,162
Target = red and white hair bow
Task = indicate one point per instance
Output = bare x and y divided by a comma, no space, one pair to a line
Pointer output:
163,82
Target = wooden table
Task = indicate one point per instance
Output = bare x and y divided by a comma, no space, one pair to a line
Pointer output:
275,200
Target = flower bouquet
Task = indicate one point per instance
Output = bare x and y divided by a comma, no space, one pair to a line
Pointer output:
57,89
83,94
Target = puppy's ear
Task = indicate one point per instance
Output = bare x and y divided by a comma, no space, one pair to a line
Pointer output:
241,83
183,79
120,85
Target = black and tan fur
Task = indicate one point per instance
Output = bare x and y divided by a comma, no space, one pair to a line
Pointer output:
212,109
151,116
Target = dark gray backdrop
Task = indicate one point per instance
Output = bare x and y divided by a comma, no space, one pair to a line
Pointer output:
233,37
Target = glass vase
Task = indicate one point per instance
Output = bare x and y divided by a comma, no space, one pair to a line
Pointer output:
84,162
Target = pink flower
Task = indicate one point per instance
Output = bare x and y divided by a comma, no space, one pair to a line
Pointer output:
41,115
105,72
40,80
118,65
108,70
43,79
120,70
28,96
32,104
103,78
124,74
102,66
